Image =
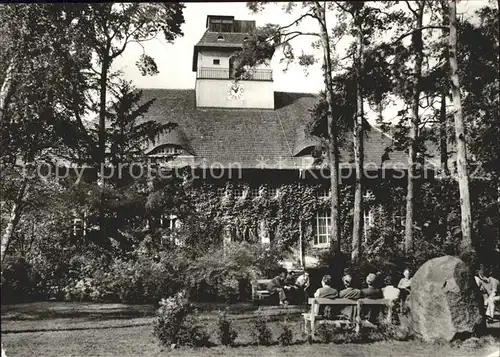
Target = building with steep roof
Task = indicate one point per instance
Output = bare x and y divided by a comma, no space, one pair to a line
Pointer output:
251,135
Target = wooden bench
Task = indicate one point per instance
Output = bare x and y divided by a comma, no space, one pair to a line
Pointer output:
259,290
311,317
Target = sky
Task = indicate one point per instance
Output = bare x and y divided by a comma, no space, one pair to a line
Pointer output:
175,60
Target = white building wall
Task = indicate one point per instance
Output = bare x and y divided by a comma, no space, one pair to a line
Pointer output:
206,58
214,93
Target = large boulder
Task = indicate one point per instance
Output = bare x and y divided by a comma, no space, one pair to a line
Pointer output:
445,302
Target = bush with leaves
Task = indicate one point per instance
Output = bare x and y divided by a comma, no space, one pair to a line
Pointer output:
225,274
18,281
286,336
225,332
174,326
261,333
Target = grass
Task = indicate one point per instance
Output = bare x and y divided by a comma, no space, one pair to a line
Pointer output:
79,329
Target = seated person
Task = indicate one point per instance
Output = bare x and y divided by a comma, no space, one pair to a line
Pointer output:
326,292
371,292
276,285
302,283
491,286
405,284
349,292
389,291
289,285
481,282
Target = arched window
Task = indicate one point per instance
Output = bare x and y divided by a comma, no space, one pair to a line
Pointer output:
220,38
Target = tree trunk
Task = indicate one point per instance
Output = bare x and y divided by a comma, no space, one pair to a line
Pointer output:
102,139
332,152
102,112
15,215
414,123
6,89
445,171
443,135
357,230
463,177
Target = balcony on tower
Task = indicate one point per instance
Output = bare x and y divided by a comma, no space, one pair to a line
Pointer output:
215,62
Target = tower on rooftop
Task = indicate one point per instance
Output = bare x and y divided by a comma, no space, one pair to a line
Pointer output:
214,62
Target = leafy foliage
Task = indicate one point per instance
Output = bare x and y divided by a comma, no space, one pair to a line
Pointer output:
226,273
175,327
225,332
261,333
286,336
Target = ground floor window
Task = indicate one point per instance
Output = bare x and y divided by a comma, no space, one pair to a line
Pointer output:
323,222
169,222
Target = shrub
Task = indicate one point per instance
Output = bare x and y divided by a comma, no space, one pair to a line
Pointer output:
261,333
169,326
399,332
225,332
325,333
286,336
18,281
224,274
192,333
331,332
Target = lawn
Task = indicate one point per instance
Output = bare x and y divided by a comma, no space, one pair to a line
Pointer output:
84,329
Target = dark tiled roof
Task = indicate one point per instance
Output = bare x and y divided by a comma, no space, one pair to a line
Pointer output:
252,136
231,39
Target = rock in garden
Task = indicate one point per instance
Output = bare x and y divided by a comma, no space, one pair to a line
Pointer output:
445,302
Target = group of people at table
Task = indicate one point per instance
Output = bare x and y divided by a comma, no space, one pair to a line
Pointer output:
286,286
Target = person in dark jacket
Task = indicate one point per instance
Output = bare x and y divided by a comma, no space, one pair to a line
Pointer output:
326,291
277,286
371,292
349,292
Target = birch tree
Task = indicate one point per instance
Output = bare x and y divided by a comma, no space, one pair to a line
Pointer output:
460,135
40,74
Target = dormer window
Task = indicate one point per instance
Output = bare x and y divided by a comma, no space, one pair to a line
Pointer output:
169,150
220,38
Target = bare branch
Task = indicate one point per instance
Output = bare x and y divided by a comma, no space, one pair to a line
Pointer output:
417,30
411,9
296,22
302,33
343,8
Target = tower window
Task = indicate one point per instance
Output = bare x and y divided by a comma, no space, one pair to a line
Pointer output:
216,62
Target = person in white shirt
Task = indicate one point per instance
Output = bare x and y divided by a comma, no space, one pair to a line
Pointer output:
390,292
492,296
302,283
